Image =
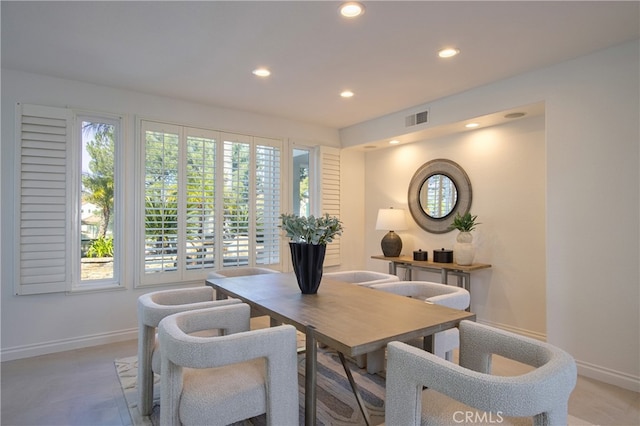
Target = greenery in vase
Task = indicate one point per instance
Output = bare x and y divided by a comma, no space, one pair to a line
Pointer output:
466,223
311,230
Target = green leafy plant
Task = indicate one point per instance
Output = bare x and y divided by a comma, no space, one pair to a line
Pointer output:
101,247
466,223
311,230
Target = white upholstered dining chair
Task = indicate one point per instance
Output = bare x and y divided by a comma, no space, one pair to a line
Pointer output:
450,296
240,272
152,308
362,278
469,389
227,378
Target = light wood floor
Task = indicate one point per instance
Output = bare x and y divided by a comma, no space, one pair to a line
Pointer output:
80,387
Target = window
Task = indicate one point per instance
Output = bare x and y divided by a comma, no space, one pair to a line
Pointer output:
97,233
300,179
211,200
53,197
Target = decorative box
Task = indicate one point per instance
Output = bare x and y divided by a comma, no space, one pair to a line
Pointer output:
420,255
443,256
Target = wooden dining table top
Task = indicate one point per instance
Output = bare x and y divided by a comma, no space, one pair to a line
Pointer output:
352,319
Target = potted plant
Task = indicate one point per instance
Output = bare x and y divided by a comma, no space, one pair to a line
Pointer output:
308,239
463,250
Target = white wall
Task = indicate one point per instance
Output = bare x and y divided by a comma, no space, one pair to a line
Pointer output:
506,167
33,325
592,199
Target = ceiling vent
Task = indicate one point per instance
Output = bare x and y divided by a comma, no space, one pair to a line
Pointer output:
415,119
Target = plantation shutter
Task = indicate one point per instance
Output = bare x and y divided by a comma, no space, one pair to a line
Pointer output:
330,196
237,184
43,199
161,159
267,201
200,245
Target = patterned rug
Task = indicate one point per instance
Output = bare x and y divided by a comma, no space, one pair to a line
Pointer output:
336,404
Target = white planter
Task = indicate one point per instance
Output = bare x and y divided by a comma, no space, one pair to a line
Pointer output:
464,250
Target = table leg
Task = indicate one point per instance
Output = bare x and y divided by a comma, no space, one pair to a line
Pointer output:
354,388
310,378
392,268
444,276
467,286
427,343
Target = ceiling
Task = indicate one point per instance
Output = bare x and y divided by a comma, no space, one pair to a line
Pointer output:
205,51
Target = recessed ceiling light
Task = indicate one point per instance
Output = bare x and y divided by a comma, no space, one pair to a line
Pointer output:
351,9
262,72
394,142
448,52
471,125
515,115
347,94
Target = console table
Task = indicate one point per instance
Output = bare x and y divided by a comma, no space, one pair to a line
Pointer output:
463,272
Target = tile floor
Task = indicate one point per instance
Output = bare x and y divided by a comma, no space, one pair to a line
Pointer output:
80,387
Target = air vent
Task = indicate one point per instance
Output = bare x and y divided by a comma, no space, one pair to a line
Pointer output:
415,119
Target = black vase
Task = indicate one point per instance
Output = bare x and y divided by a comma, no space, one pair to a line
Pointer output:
307,263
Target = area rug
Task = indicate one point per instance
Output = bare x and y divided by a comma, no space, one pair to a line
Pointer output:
336,404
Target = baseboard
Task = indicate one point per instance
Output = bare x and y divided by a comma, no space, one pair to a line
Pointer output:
585,369
521,331
27,351
607,375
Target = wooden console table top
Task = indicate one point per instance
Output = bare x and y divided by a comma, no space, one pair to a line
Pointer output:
407,260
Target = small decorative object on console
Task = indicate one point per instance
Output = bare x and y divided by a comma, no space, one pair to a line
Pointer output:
443,256
421,255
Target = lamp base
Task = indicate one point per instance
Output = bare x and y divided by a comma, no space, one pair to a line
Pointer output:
391,245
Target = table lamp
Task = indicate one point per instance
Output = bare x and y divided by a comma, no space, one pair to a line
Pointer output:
391,220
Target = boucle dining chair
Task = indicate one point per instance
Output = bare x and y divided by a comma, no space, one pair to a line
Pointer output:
444,342
362,278
469,390
228,378
152,308
240,272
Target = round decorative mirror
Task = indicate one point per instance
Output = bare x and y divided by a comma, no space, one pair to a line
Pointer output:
438,191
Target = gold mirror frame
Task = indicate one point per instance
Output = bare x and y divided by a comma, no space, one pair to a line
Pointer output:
463,186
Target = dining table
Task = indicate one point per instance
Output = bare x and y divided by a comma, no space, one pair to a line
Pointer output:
349,318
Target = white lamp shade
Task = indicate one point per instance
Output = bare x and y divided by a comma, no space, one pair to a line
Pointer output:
391,220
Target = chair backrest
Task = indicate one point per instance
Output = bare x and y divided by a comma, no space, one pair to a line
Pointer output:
239,272
362,278
154,306
440,294
237,345
541,393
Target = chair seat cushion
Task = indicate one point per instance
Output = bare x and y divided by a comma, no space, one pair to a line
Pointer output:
223,395
439,409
